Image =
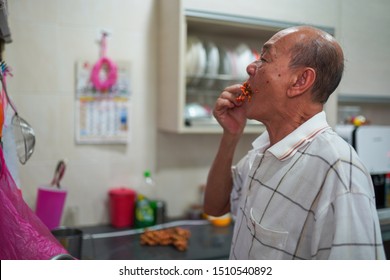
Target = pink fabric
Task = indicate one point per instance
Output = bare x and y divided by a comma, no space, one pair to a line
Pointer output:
22,234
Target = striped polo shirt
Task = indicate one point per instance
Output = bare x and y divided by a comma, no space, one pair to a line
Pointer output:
307,197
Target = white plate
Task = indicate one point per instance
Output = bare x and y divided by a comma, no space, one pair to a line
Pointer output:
225,66
244,57
212,64
192,59
212,59
195,59
233,63
191,56
202,59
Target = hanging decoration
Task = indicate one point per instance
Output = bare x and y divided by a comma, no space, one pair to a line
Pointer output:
107,66
102,100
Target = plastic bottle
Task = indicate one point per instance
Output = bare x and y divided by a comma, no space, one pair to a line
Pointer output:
387,190
145,205
144,213
149,187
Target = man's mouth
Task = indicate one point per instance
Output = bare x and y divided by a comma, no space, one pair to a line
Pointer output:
246,92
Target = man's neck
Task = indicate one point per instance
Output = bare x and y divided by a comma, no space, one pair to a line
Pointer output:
282,125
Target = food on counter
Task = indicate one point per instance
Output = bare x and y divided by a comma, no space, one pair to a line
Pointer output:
246,92
177,236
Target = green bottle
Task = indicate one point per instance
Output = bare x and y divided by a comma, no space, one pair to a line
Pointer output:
144,213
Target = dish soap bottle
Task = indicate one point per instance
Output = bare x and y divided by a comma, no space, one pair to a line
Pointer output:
144,213
144,209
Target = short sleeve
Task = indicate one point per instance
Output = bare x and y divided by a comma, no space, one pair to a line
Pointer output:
239,174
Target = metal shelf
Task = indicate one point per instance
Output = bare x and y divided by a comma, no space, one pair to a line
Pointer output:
366,99
229,19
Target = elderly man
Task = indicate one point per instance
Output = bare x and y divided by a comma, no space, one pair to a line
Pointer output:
301,192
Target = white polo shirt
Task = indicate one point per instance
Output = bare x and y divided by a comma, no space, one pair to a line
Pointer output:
306,197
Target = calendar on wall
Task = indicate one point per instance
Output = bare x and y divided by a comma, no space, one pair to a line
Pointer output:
102,113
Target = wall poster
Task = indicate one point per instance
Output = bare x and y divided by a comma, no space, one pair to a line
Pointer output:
102,115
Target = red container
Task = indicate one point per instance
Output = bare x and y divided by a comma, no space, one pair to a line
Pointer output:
122,203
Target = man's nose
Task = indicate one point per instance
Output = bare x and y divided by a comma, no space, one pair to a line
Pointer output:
251,69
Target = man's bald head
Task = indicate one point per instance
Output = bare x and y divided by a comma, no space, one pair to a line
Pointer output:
312,47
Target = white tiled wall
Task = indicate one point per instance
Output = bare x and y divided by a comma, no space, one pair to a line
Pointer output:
48,38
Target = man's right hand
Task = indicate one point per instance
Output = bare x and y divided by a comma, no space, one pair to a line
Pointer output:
229,112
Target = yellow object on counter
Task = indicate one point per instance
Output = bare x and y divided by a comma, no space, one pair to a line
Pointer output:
220,221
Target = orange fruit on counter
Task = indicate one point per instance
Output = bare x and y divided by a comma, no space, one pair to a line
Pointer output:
220,221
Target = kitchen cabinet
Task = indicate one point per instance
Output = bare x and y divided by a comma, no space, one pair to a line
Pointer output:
186,96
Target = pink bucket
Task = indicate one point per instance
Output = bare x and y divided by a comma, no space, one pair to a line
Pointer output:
50,205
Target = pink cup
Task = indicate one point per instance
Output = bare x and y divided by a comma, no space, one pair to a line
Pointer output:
50,204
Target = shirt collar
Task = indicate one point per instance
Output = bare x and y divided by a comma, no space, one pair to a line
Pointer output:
289,145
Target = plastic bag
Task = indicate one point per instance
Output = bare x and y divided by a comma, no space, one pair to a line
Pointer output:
22,234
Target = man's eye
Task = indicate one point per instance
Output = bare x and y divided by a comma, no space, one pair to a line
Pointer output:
261,58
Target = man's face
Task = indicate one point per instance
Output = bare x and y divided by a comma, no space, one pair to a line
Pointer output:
270,77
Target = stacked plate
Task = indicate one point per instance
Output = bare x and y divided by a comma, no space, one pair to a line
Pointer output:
244,56
195,59
226,65
212,64
207,60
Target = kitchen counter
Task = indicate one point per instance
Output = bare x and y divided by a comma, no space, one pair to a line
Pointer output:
107,243
206,242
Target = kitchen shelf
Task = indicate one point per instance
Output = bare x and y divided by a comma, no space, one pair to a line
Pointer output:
177,24
364,99
175,92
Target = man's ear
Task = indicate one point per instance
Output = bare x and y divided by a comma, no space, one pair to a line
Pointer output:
302,82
